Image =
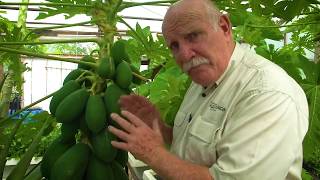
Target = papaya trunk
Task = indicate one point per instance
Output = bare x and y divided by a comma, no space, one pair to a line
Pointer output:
6,94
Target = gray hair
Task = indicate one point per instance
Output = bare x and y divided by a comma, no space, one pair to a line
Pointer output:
213,13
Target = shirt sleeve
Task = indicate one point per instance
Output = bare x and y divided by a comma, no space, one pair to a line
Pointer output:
261,139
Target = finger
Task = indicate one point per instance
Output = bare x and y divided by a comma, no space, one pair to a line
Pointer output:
133,118
124,124
119,133
156,127
120,145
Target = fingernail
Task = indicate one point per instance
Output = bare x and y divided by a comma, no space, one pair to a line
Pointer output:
123,112
113,115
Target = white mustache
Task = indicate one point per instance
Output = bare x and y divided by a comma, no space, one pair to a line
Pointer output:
194,62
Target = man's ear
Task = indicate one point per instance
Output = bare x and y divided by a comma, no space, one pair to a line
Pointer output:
225,24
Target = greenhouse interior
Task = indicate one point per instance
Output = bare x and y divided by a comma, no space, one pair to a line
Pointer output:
160,89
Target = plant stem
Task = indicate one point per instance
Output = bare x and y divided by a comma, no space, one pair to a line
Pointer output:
47,57
154,3
59,26
116,9
52,42
135,33
63,26
45,4
140,77
288,25
4,121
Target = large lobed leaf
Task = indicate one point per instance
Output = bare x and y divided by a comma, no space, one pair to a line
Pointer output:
312,140
68,11
167,92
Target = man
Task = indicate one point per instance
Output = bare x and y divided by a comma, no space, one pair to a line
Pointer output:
242,117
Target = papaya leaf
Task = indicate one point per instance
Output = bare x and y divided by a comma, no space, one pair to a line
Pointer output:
167,92
288,9
238,17
305,175
68,11
311,143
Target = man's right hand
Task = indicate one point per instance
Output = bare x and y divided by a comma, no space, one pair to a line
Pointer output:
141,107
147,112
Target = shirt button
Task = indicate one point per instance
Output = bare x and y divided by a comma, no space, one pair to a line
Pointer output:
203,95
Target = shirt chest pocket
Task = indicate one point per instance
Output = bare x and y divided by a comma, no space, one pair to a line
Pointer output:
202,130
201,142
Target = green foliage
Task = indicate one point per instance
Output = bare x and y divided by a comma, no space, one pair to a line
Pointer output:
167,91
143,43
169,83
23,138
11,33
306,175
68,11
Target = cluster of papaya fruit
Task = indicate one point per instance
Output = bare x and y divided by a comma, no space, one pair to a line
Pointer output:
83,105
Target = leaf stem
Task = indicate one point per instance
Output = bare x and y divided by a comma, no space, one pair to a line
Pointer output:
116,9
287,25
25,108
63,26
44,4
155,3
140,77
51,42
47,57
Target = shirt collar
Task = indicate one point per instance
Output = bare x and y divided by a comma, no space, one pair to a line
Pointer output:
235,58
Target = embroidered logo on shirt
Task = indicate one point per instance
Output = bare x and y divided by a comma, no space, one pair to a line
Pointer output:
215,107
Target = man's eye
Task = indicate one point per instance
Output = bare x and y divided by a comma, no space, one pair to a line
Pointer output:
193,35
174,46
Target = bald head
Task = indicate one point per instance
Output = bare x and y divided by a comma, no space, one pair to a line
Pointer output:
185,11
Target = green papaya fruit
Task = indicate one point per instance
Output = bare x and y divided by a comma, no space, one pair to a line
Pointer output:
102,148
73,75
69,130
123,77
63,92
72,164
86,58
111,97
118,171
84,127
72,106
95,115
119,52
106,68
54,151
98,170
122,157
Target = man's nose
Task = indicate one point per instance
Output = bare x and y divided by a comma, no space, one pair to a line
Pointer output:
186,53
